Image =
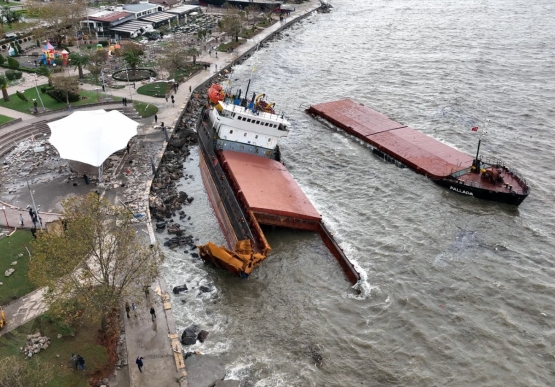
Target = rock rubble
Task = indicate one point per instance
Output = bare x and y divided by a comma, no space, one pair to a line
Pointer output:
35,343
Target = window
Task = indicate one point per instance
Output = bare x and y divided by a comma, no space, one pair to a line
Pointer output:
244,134
266,124
249,120
231,131
256,136
269,139
257,122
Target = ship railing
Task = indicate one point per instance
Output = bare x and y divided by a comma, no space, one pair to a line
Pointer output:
229,200
494,162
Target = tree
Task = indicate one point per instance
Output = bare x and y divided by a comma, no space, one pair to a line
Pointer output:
9,16
58,18
45,71
96,258
231,25
96,61
17,372
2,60
192,52
67,85
132,54
79,61
172,58
4,86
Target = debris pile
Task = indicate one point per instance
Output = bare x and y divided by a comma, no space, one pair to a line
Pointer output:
35,343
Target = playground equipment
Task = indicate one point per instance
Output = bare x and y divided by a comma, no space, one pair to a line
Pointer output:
49,55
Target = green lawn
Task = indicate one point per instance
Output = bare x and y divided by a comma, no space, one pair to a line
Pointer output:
16,103
155,89
188,71
58,371
4,119
145,109
16,285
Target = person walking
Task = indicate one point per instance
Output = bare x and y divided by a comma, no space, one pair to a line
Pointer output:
190,90
20,220
134,307
173,101
127,309
80,363
139,363
152,313
155,118
128,146
167,96
34,232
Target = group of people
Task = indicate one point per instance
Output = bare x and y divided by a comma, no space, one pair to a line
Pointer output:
133,307
172,97
78,361
124,101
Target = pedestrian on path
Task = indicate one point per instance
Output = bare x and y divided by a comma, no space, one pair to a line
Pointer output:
167,96
190,90
36,106
20,220
34,232
173,101
155,118
134,307
139,363
127,309
80,363
147,291
128,146
152,313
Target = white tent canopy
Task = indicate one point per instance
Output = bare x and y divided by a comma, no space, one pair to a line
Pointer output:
91,136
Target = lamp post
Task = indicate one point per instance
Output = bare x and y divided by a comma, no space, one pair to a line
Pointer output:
7,224
33,200
128,85
37,90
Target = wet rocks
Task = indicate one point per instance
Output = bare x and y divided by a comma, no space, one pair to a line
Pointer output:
35,343
189,335
180,288
179,240
202,335
205,289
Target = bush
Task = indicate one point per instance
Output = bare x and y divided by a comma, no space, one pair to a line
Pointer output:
43,89
2,60
17,74
60,95
22,96
10,74
104,43
12,63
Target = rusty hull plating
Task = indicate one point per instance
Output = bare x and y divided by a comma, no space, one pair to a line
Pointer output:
425,155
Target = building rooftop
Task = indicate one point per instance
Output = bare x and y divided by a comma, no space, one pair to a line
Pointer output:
139,7
165,2
108,16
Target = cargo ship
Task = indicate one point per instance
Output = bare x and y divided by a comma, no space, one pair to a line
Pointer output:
247,184
477,176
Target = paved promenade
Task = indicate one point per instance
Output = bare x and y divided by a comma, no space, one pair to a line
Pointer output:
157,341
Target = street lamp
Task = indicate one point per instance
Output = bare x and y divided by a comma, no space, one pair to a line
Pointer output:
37,90
7,224
128,85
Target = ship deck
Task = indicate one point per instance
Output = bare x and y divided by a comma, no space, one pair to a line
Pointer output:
268,190
416,150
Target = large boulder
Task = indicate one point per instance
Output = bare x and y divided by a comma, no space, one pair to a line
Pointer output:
189,336
180,288
202,335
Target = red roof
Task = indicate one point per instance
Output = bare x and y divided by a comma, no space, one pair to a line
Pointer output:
268,187
415,149
110,17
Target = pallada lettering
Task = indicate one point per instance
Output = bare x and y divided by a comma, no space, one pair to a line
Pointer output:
461,191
